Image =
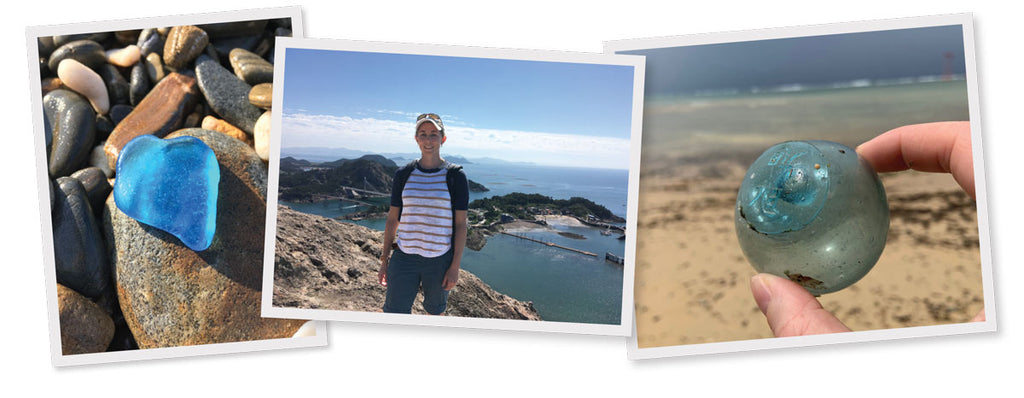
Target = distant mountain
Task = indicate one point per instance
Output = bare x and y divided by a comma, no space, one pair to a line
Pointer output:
387,163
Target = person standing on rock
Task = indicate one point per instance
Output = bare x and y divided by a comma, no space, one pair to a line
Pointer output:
426,227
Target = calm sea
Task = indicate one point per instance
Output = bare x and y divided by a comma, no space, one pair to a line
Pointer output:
564,286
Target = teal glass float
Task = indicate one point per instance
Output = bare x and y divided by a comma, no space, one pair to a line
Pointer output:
814,212
171,185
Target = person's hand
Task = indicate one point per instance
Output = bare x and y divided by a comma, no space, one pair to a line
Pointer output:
451,277
382,274
943,147
933,147
790,309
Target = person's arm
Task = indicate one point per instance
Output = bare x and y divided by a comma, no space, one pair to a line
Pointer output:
390,231
458,245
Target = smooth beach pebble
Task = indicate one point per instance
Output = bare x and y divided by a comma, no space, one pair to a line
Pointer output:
308,329
117,86
261,136
226,94
80,255
814,212
161,112
212,123
70,127
88,52
150,42
262,95
85,81
124,57
139,84
84,326
250,67
154,68
51,83
184,43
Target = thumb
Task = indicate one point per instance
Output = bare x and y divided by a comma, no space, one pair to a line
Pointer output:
790,309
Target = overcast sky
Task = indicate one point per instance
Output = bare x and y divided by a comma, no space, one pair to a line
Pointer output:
826,59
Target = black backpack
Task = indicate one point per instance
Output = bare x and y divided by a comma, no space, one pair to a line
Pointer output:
402,175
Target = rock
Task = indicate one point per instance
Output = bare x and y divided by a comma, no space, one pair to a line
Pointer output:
99,37
154,68
117,86
172,296
98,159
250,67
138,84
51,83
94,182
79,255
261,136
184,44
86,52
85,81
212,123
161,112
84,326
104,126
326,264
125,37
226,94
124,57
118,113
70,125
262,95
171,185
475,239
150,42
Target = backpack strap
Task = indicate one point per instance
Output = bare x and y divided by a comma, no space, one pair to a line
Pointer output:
401,176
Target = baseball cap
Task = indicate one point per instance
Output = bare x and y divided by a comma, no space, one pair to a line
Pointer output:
430,117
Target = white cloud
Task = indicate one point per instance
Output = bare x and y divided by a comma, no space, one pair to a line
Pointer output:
383,136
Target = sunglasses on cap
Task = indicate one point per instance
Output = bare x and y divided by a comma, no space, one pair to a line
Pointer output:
433,117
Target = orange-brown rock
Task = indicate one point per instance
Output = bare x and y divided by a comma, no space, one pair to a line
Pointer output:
162,111
212,123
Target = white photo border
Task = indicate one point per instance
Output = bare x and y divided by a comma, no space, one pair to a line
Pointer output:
637,62
965,21
33,33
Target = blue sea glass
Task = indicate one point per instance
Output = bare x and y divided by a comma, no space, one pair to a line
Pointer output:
171,185
813,212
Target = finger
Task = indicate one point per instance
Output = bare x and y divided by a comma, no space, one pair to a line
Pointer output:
943,147
790,309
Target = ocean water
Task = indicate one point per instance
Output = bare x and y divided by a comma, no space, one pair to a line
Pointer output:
564,286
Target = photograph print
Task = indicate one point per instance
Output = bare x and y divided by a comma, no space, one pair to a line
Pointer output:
151,185
454,186
799,183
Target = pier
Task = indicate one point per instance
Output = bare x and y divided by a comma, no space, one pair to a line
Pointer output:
550,244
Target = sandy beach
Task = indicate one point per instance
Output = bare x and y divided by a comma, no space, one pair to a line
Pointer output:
692,280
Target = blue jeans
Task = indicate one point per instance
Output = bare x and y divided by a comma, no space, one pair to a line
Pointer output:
407,273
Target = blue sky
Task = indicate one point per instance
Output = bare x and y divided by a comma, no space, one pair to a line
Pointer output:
557,113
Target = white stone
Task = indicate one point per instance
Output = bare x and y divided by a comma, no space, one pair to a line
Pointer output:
124,57
308,329
84,81
261,136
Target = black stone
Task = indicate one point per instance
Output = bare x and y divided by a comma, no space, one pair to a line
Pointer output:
139,84
119,112
98,37
70,123
151,43
226,94
79,252
88,52
103,127
117,86
96,186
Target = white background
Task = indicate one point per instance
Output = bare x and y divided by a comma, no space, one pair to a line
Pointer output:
364,359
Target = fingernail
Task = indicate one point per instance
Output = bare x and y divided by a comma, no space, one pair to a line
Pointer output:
762,293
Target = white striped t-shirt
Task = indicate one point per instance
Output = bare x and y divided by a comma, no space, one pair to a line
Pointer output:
425,227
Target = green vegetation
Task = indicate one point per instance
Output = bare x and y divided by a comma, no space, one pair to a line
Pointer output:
525,206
